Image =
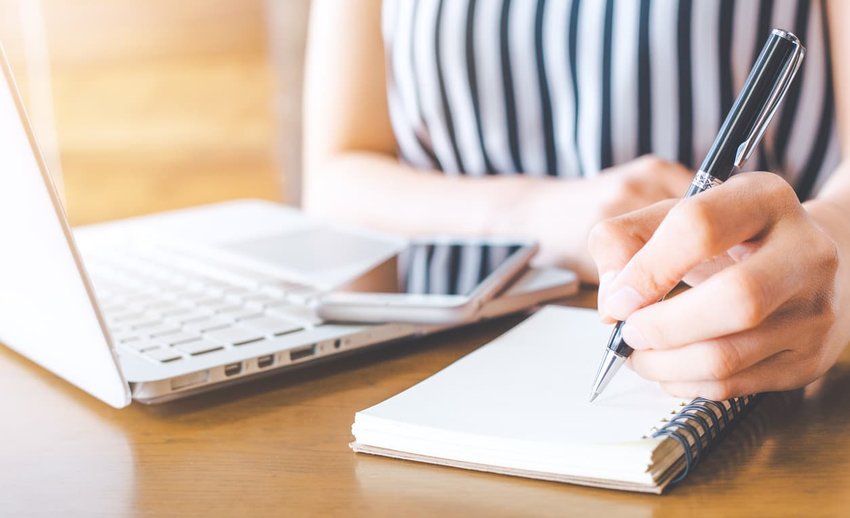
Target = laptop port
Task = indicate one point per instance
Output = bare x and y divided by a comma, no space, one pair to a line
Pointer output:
233,369
189,380
265,361
300,354
337,343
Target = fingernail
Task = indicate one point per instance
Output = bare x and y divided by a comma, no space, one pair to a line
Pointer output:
623,302
604,282
633,337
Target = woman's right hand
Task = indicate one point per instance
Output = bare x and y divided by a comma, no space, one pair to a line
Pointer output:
561,213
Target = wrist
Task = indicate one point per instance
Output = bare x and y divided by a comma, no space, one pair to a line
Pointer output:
833,219
524,202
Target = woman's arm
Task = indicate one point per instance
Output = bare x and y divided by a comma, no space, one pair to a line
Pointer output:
351,169
353,175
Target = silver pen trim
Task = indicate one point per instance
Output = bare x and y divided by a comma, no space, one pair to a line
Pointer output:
704,181
745,150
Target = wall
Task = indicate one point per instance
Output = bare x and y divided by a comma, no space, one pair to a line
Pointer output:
161,104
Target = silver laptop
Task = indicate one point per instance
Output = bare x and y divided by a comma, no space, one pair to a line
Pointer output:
163,306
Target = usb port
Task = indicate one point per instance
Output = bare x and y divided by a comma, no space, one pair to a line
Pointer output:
300,354
265,361
189,380
233,369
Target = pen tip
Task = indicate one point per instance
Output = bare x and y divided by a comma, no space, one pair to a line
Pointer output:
593,396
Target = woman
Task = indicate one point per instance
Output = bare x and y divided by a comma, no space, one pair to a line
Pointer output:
569,120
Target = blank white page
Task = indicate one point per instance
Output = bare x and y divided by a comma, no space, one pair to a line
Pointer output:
529,385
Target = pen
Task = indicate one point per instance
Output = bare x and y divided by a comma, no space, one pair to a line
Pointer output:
743,129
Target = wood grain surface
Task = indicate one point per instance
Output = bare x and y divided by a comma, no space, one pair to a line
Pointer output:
279,446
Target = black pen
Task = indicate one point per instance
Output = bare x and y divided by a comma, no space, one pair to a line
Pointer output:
743,129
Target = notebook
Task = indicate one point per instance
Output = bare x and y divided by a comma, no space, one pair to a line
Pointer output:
519,406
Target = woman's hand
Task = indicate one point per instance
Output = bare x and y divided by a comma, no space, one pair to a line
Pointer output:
762,313
560,214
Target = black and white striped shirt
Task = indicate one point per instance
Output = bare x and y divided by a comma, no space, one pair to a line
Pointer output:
570,87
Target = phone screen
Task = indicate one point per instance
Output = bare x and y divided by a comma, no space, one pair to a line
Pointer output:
451,268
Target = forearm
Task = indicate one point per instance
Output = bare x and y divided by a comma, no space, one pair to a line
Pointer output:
372,188
377,190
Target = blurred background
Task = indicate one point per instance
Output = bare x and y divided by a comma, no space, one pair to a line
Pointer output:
147,105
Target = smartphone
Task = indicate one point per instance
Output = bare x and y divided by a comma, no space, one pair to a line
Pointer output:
430,281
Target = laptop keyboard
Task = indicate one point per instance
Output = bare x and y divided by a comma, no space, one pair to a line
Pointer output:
169,306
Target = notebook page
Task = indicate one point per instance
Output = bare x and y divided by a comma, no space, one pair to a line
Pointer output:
531,385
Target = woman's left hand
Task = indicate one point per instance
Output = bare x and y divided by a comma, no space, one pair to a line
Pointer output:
762,315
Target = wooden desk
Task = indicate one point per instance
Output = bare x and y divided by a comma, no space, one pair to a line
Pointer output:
280,446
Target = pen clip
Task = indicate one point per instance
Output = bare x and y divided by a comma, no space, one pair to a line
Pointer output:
745,150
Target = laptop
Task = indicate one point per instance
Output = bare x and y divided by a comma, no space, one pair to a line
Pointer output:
168,305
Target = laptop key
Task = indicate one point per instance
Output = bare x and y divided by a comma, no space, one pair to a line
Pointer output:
206,324
287,311
236,293
143,345
301,296
162,328
176,312
164,306
124,336
199,346
236,335
261,300
192,295
124,315
272,325
142,298
239,313
214,304
163,354
144,322
192,315
178,337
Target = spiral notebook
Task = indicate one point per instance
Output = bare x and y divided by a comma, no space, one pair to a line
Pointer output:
519,406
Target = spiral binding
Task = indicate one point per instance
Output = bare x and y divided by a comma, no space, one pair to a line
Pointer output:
712,418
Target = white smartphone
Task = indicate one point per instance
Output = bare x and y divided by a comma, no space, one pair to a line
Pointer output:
431,281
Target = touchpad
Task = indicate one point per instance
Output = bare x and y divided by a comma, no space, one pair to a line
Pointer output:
314,249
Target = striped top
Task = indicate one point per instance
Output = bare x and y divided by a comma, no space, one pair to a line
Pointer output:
570,87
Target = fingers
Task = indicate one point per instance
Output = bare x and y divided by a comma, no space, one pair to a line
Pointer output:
665,178
761,377
695,229
733,300
707,268
676,178
719,358
717,263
